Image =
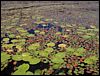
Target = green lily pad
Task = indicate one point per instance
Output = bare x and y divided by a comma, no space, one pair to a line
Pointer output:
17,57
34,61
37,72
4,57
57,60
24,67
86,37
12,36
22,70
26,58
91,60
36,31
51,44
79,52
70,50
14,41
56,66
7,45
96,29
81,64
18,72
34,46
6,39
23,31
30,35
60,55
44,53
25,54
90,34
49,50
29,73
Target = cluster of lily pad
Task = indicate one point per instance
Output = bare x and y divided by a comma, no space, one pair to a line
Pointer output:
64,47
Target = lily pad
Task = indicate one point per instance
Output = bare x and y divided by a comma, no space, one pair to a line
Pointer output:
34,46
44,53
57,60
12,36
25,54
34,61
70,50
49,50
17,57
36,31
56,65
37,72
51,44
4,57
30,35
90,60
6,39
29,73
60,55
26,58
24,67
86,37
79,52
18,72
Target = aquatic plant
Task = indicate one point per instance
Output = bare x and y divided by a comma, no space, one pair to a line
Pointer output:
51,44
57,60
17,57
91,59
22,70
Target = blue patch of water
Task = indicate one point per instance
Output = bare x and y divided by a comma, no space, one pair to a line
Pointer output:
31,31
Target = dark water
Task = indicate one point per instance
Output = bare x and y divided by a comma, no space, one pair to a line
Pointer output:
10,68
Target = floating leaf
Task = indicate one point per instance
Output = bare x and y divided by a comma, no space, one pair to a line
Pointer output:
79,52
69,49
34,46
22,70
6,39
90,60
12,36
44,53
56,66
18,72
49,50
24,67
37,72
26,58
86,37
17,57
30,35
51,44
57,60
60,55
34,61
29,73
36,31
25,54
4,57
